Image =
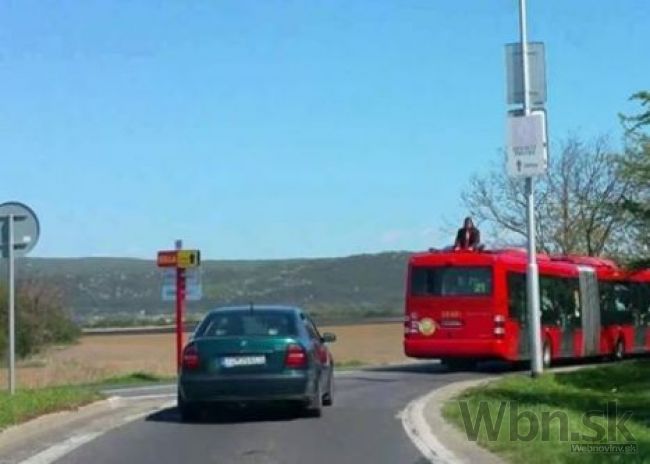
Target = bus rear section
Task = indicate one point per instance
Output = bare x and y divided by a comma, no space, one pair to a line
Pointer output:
454,310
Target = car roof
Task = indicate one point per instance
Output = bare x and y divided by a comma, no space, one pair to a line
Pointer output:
256,307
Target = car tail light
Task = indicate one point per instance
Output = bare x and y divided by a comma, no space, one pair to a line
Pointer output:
411,324
499,325
191,359
296,358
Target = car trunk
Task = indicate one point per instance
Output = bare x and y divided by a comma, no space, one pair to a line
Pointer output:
242,355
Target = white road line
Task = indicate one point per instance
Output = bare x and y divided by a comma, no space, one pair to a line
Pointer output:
137,389
148,397
59,450
419,432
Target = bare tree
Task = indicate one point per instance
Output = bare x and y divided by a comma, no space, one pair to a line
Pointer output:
577,204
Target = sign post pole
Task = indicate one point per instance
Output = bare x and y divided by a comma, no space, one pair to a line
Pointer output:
11,304
180,299
532,274
175,264
18,235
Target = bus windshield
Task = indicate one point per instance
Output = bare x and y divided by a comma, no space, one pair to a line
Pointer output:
451,281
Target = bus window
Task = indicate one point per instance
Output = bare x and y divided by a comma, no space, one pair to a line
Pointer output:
643,297
568,299
451,281
622,298
548,303
517,295
615,303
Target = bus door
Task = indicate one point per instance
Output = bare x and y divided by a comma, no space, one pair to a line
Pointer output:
517,311
641,308
560,315
590,304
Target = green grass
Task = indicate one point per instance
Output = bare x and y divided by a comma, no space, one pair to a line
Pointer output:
570,393
27,404
351,364
135,378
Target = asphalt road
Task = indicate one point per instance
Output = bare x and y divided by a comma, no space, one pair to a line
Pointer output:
361,427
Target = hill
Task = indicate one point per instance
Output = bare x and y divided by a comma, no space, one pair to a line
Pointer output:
354,286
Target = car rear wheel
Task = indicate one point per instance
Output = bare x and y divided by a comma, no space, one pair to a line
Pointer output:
315,406
328,398
189,412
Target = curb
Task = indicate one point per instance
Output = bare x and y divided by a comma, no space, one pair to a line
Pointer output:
56,419
48,438
423,422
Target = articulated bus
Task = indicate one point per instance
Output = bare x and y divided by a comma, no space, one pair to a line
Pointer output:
466,306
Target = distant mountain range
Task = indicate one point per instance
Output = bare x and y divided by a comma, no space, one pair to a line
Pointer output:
350,287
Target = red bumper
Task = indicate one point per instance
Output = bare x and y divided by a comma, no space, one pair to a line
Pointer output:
458,348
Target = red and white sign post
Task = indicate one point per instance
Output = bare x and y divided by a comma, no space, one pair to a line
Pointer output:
180,260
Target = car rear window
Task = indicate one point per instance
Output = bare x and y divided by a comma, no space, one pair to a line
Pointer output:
248,323
451,281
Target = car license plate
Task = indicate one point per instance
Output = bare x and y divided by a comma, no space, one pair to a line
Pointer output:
241,361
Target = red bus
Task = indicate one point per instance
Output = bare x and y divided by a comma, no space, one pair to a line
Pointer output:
465,306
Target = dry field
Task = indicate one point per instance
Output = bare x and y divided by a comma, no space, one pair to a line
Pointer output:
99,356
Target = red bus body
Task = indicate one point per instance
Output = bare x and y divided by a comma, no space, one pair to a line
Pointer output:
471,306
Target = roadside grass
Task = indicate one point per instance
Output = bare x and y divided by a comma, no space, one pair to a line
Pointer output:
132,379
349,365
28,404
569,408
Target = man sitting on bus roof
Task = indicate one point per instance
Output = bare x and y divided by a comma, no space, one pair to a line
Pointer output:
468,236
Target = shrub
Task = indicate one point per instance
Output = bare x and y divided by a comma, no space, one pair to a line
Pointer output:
41,319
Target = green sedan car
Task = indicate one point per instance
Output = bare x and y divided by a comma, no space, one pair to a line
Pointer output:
256,354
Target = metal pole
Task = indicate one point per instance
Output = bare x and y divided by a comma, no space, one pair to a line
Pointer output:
12,309
180,297
532,275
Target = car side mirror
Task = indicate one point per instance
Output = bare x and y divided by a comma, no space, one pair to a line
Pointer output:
328,337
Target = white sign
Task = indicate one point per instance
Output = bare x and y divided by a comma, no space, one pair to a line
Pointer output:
526,146
193,286
536,74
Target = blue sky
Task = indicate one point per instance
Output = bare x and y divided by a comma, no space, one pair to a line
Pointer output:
272,129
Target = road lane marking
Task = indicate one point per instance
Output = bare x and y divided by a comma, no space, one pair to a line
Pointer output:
148,397
418,430
56,452
61,449
118,391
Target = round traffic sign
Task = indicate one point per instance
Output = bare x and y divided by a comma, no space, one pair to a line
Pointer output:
25,227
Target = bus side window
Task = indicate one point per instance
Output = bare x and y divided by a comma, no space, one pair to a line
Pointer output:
644,295
622,298
567,301
548,299
517,296
605,289
570,302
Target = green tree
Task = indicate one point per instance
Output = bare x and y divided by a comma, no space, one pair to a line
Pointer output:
577,203
41,319
635,168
